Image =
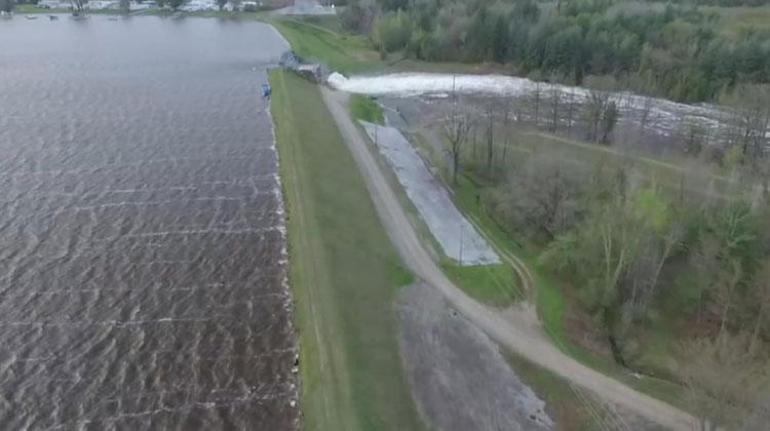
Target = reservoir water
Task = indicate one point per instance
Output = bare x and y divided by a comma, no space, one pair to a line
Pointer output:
142,245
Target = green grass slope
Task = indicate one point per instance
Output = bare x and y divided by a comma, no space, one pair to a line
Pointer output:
344,274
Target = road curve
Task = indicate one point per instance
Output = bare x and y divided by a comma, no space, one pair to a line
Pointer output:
525,340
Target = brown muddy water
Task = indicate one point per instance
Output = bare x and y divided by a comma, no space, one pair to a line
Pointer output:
142,249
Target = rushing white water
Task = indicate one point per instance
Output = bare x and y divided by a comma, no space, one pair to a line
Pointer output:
665,114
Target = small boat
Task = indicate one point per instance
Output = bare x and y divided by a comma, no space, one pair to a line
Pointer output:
53,17
31,17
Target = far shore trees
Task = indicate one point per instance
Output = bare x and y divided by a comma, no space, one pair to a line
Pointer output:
686,48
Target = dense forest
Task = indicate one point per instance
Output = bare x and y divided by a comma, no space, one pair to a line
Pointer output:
676,50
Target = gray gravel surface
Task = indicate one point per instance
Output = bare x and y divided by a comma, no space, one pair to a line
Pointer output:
458,376
458,238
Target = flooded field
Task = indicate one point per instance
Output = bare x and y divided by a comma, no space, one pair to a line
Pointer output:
142,248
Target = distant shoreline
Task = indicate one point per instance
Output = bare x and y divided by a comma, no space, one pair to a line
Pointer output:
21,10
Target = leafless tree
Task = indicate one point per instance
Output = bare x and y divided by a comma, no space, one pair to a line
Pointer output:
490,134
538,95
723,381
506,129
694,136
646,108
555,94
78,5
609,119
644,278
761,292
457,131
750,120
542,195
727,281
598,109
570,111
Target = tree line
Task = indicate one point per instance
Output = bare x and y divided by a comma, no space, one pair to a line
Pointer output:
636,241
674,50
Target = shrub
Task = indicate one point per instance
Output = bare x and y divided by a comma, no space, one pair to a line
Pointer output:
392,31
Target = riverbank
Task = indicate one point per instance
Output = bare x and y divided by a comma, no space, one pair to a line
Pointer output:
344,274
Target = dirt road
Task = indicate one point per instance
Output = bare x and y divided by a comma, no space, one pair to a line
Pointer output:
517,331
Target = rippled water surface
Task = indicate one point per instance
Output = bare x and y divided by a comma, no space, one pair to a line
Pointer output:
142,253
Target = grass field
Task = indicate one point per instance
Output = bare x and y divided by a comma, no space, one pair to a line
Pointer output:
344,274
322,40
495,285
365,108
313,42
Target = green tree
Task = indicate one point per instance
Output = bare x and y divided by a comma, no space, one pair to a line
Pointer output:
392,31
500,40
